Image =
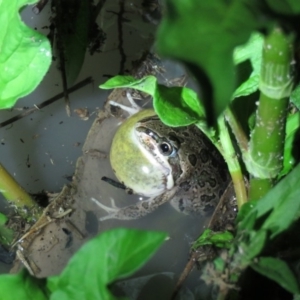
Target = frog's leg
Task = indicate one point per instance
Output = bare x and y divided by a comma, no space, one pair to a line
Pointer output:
137,210
188,203
131,110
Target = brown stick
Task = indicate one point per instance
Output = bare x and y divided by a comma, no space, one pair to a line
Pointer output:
213,224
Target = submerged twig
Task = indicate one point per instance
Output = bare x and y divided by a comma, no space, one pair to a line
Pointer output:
114,183
46,103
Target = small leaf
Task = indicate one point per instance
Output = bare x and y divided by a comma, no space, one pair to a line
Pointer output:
219,239
147,84
25,54
22,286
252,50
278,271
219,264
112,255
177,106
256,243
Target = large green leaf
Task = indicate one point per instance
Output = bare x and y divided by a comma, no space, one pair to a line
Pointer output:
112,255
288,7
25,54
22,286
278,271
282,204
203,35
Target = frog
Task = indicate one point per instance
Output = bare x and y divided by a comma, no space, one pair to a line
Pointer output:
179,165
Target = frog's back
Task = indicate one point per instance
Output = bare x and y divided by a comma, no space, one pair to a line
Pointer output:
201,192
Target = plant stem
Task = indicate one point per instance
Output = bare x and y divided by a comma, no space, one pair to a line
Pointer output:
237,130
267,142
265,155
15,194
233,164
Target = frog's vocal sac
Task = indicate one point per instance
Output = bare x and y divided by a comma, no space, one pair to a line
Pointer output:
179,165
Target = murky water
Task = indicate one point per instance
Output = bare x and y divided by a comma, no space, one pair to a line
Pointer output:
57,136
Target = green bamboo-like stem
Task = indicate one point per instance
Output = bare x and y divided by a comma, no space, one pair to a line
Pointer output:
259,187
267,142
265,156
233,164
15,194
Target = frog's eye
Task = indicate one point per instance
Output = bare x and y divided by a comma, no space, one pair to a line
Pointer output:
167,149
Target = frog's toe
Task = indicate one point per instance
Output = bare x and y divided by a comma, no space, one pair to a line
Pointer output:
112,211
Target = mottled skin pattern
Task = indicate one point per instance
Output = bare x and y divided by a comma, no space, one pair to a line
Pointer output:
199,172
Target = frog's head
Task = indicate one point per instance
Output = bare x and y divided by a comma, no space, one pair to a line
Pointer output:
145,155
161,142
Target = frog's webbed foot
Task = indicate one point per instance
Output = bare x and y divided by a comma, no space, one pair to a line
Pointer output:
137,210
112,211
128,212
134,108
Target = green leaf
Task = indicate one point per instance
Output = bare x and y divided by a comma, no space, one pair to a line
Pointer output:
219,239
278,271
252,50
295,96
282,200
203,35
6,234
219,264
177,106
288,7
22,286
256,243
244,211
112,255
291,134
25,54
147,84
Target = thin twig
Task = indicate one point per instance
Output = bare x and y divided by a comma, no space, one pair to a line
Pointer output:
214,224
120,20
29,111
61,50
39,6
121,41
